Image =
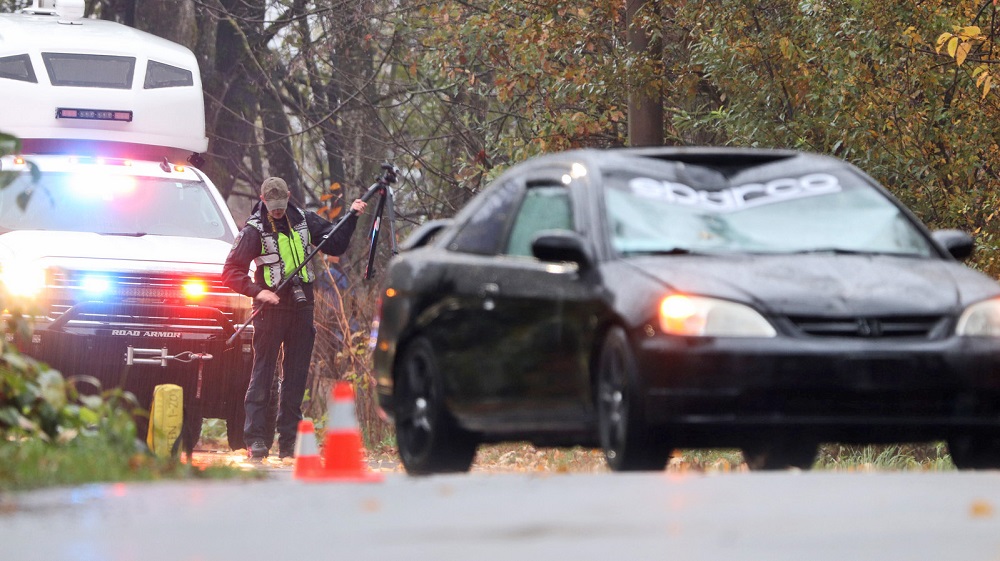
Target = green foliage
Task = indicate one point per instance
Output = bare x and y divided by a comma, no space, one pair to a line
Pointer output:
896,457
96,457
862,80
898,88
492,83
52,435
35,402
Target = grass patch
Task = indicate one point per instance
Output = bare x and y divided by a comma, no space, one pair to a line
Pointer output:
33,464
932,456
520,456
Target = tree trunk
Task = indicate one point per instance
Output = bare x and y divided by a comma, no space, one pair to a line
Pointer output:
170,19
645,104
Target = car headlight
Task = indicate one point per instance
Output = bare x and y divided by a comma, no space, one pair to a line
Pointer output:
697,316
980,320
24,280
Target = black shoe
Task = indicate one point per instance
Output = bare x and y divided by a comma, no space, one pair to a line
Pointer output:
286,449
257,451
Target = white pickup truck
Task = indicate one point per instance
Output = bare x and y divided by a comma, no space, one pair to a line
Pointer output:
111,242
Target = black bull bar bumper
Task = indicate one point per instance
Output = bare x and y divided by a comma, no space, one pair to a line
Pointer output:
136,346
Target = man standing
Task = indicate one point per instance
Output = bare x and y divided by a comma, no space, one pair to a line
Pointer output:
277,237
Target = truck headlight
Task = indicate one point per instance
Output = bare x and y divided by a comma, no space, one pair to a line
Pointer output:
980,320
23,280
697,316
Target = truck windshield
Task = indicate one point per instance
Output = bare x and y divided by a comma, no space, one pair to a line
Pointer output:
112,204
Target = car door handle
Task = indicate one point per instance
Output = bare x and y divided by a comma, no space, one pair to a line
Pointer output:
489,289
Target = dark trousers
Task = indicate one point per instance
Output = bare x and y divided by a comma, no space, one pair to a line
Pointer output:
272,328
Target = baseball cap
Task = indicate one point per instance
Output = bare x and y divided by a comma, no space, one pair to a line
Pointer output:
274,192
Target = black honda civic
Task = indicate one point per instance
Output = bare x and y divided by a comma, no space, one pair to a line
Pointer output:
646,299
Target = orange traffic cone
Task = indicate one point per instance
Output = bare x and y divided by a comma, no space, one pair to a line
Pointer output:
308,463
343,459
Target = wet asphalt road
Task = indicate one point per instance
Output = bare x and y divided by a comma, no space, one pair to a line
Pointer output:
791,516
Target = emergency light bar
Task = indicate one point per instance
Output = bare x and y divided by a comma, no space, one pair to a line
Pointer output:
94,114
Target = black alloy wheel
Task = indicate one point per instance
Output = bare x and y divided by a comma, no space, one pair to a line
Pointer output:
429,439
629,443
974,452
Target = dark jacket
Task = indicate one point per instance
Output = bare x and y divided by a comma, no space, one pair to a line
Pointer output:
247,247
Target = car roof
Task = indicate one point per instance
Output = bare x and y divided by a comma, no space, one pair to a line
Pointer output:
714,156
725,161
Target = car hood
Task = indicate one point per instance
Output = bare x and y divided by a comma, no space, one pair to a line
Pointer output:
826,284
90,251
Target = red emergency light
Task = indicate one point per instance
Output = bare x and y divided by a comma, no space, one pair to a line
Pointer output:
94,114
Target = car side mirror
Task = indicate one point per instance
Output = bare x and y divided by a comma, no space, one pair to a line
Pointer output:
959,244
425,233
561,245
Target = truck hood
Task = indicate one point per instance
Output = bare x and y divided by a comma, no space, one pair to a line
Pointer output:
90,251
826,284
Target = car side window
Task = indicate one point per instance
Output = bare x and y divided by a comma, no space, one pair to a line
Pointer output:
484,230
544,208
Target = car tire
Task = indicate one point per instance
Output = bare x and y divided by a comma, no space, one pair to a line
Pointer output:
629,443
428,438
974,452
779,453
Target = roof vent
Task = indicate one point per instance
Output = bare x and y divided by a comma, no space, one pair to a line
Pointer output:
66,9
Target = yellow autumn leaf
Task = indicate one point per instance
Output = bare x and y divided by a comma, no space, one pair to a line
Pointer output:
982,77
962,52
981,509
970,32
941,40
978,70
783,46
987,84
952,46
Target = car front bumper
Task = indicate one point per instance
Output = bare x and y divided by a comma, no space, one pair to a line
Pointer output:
851,388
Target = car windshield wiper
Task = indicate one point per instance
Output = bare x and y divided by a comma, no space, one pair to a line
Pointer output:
844,251
668,251
126,234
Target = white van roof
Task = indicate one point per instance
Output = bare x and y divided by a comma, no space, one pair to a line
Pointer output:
72,85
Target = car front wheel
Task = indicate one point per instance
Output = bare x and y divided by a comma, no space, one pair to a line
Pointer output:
629,443
975,452
429,439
